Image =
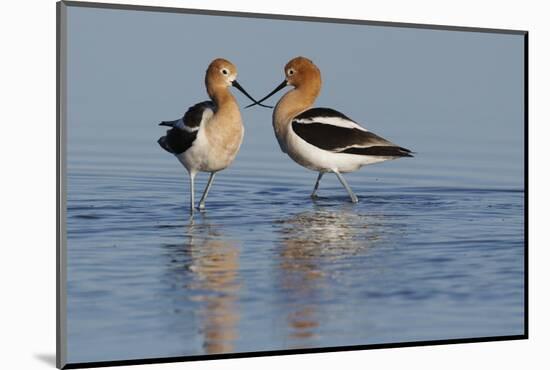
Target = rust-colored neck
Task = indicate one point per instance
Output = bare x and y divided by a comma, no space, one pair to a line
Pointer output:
296,101
226,103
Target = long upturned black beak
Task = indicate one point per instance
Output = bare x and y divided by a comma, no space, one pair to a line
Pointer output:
241,89
280,87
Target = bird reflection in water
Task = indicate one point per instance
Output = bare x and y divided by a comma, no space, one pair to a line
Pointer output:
315,246
214,264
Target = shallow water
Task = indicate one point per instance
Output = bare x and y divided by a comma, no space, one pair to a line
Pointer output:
267,268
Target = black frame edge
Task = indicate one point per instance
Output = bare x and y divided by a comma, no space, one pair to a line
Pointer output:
526,183
61,334
288,352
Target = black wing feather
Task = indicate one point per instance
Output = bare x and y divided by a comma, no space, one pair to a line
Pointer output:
384,151
193,117
342,139
321,112
177,139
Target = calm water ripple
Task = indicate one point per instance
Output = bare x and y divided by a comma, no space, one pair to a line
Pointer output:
266,268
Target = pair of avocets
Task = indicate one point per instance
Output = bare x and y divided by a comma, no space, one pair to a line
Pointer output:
209,135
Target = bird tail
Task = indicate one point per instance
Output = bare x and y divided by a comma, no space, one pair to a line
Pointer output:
404,152
164,145
163,142
380,150
169,123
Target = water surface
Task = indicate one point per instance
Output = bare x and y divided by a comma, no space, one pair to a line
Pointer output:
266,268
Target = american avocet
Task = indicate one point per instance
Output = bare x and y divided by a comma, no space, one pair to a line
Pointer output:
209,135
322,139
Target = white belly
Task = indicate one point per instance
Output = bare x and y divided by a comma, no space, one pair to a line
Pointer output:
320,160
205,157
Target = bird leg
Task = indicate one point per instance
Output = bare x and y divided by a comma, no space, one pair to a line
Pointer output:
192,195
314,193
343,181
206,190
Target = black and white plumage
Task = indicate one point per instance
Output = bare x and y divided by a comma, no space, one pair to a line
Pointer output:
187,140
333,131
209,135
323,139
183,132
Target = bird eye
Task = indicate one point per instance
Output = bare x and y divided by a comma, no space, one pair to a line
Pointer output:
225,71
290,72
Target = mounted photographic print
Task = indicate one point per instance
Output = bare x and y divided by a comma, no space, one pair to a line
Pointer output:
236,184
